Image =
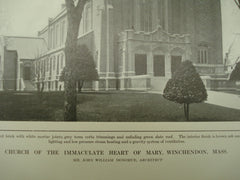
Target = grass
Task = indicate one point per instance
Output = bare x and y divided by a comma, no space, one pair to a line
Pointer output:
146,107
109,107
29,107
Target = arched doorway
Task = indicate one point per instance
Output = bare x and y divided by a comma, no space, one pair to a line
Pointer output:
27,73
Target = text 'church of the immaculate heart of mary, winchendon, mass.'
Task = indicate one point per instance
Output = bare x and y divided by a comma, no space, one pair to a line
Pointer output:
136,45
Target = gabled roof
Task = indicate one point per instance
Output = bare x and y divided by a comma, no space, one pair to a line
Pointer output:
26,47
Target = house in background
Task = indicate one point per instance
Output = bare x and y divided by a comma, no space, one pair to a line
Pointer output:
17,56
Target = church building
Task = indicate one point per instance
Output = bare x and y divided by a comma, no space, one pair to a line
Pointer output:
136,44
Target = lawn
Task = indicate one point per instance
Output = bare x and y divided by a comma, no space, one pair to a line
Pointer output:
115,106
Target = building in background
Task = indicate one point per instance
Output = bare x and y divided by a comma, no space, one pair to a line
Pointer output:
137,44
17,57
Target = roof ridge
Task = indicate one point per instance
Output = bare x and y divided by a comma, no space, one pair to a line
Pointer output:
24,37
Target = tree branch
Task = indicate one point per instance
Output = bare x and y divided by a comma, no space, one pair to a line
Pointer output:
237,3
80,6
69,5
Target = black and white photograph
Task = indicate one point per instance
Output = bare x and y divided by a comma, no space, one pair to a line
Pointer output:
119,89
120,60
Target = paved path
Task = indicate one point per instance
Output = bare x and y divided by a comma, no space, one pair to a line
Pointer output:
220,99
224,99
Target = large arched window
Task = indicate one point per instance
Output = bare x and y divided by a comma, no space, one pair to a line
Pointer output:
54,63
61,61
159,65
58,57
88,18
203,54
176,58
146,15
140,64
50,68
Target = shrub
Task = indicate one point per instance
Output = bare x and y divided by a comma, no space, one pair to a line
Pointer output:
185,87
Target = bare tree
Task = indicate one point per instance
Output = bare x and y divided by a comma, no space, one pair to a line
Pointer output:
74,16
39,75
237,3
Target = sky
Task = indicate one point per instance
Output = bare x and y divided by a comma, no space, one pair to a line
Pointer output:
27,17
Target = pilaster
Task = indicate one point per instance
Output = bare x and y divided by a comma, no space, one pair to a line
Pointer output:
150,63
155,20
18,79
137,24
166,15
168,73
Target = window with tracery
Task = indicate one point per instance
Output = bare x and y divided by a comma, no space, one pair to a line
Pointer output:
203,55
88,18
146,15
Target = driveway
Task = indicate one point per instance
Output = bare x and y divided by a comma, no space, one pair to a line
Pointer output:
219,98
224,99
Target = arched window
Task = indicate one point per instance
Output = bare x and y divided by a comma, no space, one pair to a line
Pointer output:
88,18
176,16
146,15
54,63
57,35
58,57
48,64
176,58
159,65
50,67
140,64
202,54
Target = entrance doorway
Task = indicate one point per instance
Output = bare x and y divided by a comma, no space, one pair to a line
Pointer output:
175,63
27,73
140,64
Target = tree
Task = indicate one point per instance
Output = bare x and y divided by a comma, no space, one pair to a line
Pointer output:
84,68
235,75
74,16
185,87
237,3
39,76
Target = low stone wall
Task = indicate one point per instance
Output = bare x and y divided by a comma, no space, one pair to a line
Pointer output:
219,84
135,83
158,83
208,69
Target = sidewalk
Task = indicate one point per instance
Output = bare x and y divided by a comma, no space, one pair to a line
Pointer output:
219,98
224,99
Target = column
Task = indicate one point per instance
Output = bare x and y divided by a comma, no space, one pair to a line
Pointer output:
168,72
1,72
155,18
124,59
110,63
150,64
137,24
166,15
18,80
97,26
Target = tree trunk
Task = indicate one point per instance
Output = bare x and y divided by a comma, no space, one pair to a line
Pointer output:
70,83
187,112
38,86
42,88
74,16
80,85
